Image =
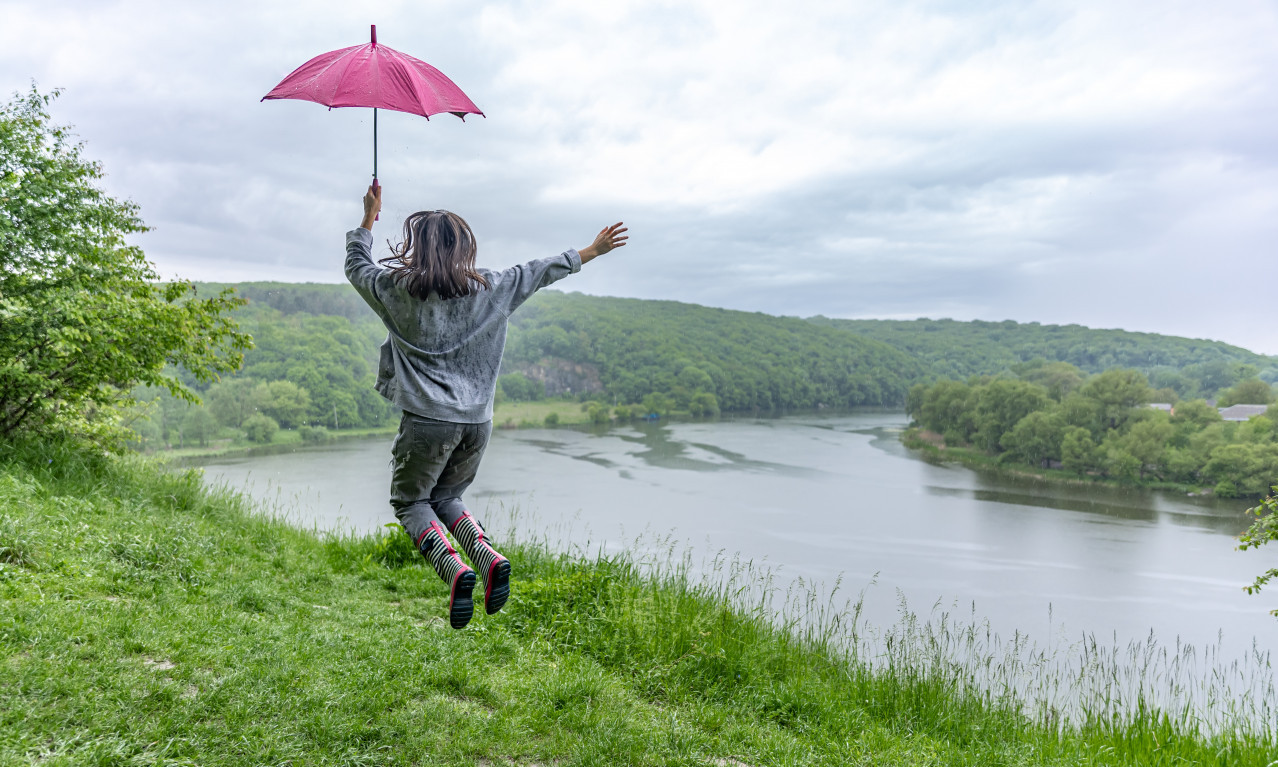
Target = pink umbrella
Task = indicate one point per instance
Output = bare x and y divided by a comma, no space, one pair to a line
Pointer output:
374,76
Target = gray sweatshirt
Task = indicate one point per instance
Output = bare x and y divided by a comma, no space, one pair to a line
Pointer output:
441,357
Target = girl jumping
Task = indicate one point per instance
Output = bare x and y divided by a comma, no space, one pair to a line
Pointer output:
446,324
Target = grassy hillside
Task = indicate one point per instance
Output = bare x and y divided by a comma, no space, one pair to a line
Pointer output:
956,350
146,620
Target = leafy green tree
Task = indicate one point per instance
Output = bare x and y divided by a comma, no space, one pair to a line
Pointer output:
1084,412
1120,464
260,428
1118,392
657,404
284,401
1251,391
695,379
1000,405
518,387
1243,470
1147,439
703,403
1257,430
598,413
1036,438
314,434
199,426
1263,530
1195,412
231,400
1166,379
944,409
1058,378
1219,374
1182,465
1078,451
83,316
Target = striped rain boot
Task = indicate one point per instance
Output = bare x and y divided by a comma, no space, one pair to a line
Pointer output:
493,566
443,557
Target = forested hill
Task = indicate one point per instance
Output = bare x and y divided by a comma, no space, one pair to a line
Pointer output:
748,361
957,350
624,350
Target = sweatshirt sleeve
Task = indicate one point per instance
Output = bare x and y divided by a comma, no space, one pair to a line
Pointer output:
515,285
360,269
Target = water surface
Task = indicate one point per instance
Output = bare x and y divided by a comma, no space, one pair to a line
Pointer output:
824,497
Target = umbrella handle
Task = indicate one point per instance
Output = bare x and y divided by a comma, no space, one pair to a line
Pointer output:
376,186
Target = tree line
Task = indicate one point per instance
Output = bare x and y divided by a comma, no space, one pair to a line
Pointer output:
956,350
1050,415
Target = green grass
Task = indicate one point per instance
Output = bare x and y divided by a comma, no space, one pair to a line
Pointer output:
533,414
147,620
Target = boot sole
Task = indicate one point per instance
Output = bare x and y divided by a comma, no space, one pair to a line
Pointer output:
461,606
497,587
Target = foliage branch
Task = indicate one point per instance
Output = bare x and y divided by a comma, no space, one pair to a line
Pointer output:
83,316
1264,529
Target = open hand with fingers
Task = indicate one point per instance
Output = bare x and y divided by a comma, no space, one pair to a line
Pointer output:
610,238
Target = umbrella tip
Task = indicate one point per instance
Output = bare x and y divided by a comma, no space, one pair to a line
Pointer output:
373,32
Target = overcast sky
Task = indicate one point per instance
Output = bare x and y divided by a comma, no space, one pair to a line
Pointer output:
1113,164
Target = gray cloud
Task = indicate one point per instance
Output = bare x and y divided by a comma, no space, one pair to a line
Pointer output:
1059,162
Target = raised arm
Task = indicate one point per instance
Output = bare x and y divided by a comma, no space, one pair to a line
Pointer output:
610,238
360,269
372,206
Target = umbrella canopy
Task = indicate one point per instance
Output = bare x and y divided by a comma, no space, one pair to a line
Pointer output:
373,75
376,76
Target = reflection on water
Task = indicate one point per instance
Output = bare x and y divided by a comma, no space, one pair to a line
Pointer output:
827,496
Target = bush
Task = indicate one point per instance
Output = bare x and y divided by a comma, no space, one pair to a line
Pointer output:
315,434
552,419
85,315
703,403
622,412
518,387
261,428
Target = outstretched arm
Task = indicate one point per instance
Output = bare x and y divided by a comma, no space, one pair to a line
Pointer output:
610,238
372,206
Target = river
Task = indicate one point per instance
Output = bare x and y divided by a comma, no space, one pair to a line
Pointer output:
828,497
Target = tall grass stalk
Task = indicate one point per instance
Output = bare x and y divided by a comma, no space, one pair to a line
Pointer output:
725,624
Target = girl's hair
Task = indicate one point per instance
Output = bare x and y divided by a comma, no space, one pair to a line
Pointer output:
437,254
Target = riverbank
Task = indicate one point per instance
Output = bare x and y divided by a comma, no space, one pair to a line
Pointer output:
507,415
283,441
144,618
932,448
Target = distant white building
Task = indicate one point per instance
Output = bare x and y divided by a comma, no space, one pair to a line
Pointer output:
1166,407
1242,412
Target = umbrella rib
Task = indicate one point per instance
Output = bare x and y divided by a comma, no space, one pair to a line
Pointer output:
417,83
